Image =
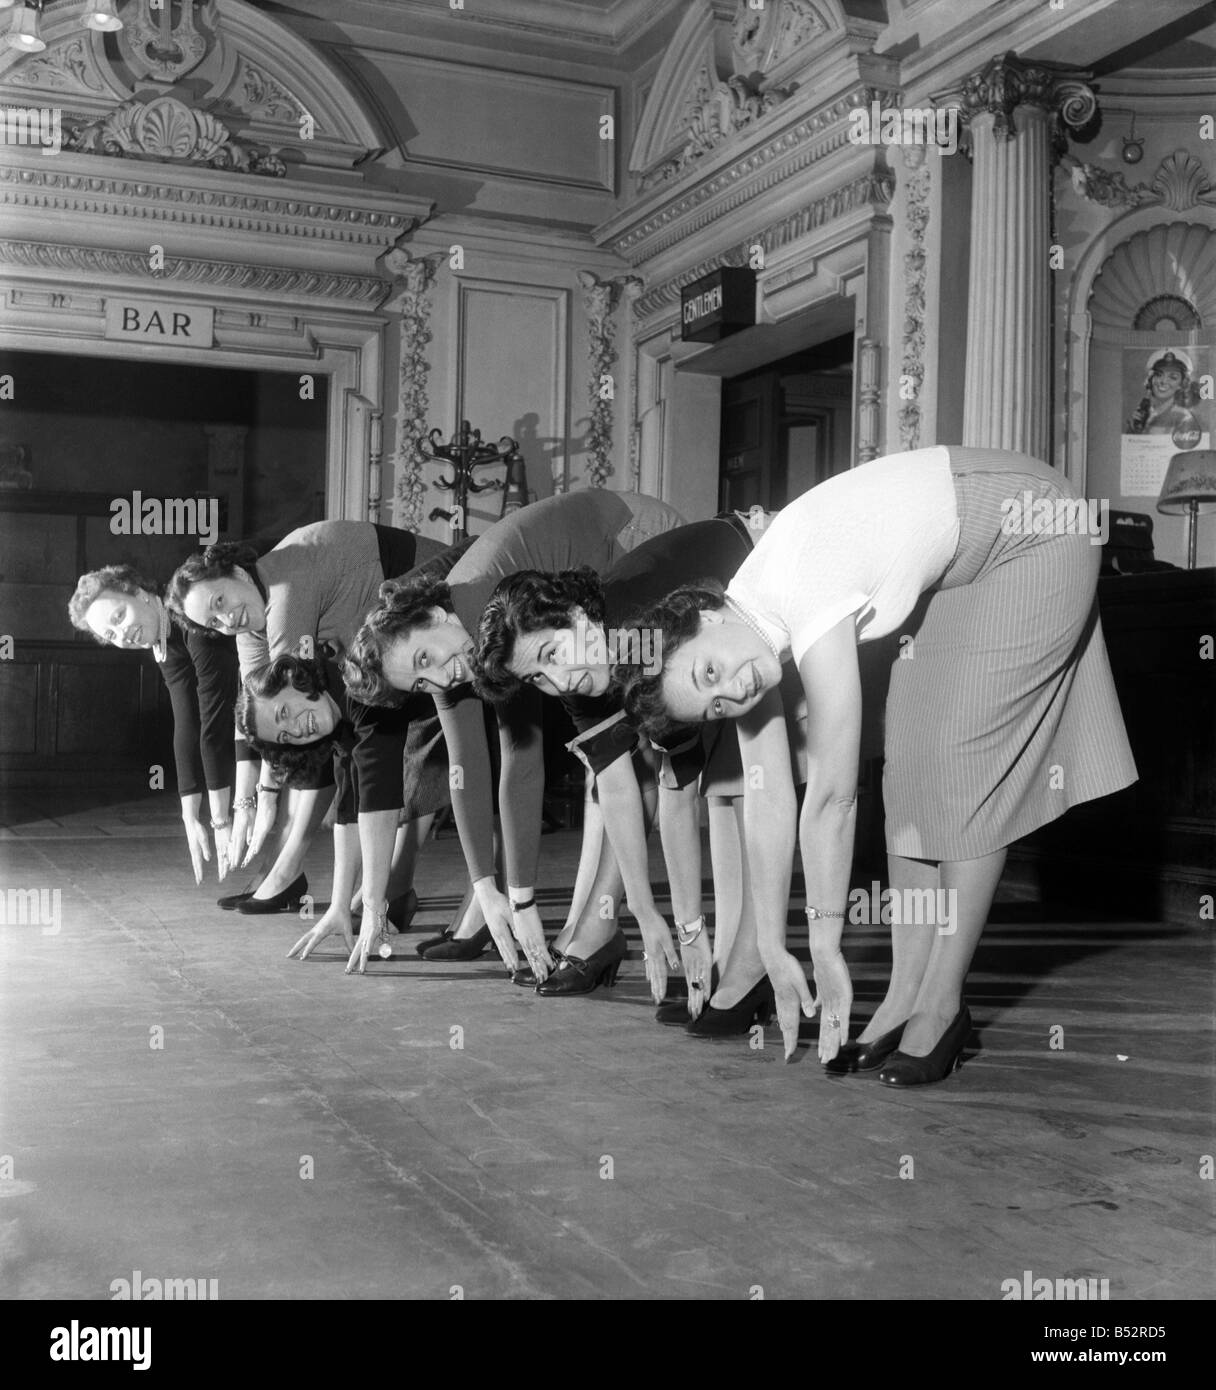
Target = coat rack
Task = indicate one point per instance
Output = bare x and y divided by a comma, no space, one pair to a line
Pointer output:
465,452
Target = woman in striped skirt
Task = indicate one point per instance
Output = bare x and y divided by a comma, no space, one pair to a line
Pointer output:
1001,714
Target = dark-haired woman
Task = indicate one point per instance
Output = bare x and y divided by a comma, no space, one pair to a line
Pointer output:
561,633
1001,717
317,583
123,609
420,641
297,717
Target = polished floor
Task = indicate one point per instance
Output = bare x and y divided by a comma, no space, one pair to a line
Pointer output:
301,1134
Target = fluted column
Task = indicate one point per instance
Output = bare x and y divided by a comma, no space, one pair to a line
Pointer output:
1015,116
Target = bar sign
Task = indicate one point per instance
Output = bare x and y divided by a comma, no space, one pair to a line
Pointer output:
166,322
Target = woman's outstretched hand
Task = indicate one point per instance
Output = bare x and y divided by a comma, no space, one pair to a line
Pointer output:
335,919
833,989
199,845
792,995
496,909
530,933
659,950
698,962
268,809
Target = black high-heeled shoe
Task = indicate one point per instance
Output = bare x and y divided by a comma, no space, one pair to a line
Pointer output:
402,910
905,1070
525,976
575,976
233,900
868,1056
756,1006
286,901
463,948
674,1011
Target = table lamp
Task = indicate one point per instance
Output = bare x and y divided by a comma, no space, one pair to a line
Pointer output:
1190,487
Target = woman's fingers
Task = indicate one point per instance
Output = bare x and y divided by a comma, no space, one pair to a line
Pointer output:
302,942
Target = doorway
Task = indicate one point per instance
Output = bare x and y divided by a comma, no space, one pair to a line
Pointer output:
786,426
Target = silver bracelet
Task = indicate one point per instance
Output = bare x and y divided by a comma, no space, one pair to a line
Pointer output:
681,927
813,914
245,803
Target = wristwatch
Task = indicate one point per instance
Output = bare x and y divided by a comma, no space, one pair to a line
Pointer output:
693,930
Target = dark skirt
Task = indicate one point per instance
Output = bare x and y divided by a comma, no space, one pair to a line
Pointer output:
1003,714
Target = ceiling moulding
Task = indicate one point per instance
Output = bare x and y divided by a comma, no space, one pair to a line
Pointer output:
723,78
614,26
271,91
805,132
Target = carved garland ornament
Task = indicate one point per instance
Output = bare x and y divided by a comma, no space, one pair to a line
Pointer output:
1181,182
166,130
416,277
912,363
600,299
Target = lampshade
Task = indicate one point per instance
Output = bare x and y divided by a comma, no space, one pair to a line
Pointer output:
24,33
1190,487
100,15
1190,479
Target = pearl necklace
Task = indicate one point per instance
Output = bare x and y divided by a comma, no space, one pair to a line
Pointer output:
754,625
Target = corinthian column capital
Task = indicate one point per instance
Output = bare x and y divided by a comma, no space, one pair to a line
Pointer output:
1006,82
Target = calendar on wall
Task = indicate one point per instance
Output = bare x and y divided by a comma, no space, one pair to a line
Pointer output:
1167,409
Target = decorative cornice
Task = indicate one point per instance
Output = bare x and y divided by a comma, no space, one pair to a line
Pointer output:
809,140
872,189
54,189
168,131
261,279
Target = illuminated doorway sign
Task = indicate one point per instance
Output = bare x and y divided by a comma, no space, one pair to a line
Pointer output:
718,304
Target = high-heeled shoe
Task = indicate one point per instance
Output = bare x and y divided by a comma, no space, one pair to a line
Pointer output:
402,910
286,901
233,900
756,1006
525,976
674,1011
462,948
904,1070
576,976
867,1056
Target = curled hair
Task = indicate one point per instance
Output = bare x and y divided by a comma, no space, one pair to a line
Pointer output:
296,764
118,579
676,619
405,606
528,601
218,561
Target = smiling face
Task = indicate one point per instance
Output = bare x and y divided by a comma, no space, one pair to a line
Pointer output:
721,673
1165,382
564,660
293,717
228,605
129,621
430,658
